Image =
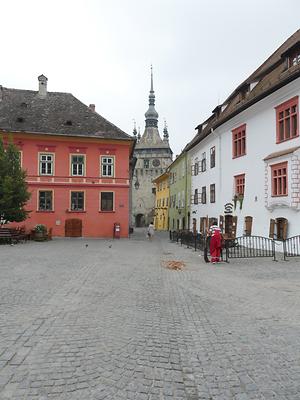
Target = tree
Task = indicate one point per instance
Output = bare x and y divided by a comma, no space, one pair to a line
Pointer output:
13,187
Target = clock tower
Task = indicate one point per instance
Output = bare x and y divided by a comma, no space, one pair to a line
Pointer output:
153,155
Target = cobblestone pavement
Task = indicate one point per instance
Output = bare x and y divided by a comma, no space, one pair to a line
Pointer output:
109,321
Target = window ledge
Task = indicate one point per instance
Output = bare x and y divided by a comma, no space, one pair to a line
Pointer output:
241,155
287,139
107,212
45,211
76,211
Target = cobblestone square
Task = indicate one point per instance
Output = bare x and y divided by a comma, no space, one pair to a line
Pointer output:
105,319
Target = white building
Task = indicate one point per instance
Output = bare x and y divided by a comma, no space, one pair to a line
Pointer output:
246,157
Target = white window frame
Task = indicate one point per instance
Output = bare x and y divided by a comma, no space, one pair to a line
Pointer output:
47,163
111,165
83,165
113,201
84,200
38,200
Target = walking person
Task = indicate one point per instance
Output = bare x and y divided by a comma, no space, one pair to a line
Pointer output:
150,231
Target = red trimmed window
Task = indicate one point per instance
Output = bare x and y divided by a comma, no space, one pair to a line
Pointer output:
239,141
239,183
279,179
287,120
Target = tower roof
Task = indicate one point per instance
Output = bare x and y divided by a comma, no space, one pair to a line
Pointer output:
151,138
151,114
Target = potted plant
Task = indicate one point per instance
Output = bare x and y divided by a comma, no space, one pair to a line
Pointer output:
241,199
238,198
235,198
40,232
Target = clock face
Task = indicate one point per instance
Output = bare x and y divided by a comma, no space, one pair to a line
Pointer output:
156,162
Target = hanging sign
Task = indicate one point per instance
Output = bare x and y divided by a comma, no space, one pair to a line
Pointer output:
228,208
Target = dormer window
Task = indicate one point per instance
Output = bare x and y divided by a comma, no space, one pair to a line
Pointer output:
252,85
20,119
294,58
224,106
292,55
243,93
68,122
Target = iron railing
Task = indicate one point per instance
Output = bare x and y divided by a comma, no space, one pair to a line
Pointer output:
250,247
240,247
291,247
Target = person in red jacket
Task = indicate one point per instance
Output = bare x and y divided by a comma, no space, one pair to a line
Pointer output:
215,243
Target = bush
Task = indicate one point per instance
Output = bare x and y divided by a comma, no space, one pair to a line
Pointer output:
40,228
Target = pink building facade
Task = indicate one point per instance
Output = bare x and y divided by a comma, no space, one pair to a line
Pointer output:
77,164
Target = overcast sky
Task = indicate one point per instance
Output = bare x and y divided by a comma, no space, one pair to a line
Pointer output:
101,52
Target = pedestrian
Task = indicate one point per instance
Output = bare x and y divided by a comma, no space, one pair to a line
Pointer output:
150,231
215,243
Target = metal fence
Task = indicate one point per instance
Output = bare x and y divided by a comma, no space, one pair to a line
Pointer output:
240,247
291,247
250,247
189,239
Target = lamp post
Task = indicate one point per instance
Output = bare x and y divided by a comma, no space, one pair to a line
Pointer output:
136,184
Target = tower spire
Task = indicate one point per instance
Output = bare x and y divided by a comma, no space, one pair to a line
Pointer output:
151,89
151,114
134,128
166,133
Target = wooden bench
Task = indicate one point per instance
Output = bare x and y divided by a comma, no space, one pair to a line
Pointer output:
6,236
11,236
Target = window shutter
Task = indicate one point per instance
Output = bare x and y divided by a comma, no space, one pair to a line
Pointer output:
193,169
248,225
234,226
284,229
202,225
221,222
272,228
192,199
206,222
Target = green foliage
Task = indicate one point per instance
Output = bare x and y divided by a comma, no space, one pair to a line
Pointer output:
40,228
13,187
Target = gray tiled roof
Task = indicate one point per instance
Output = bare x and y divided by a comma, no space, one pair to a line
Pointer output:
58,113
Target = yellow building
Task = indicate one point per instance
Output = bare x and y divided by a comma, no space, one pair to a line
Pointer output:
161,220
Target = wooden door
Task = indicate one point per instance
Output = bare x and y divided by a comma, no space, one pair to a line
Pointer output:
248,225
73,227
230,226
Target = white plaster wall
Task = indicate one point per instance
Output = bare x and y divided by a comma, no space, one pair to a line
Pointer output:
206,178
260,121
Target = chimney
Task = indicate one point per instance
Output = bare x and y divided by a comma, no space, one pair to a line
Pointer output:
92,107
42,86
1,93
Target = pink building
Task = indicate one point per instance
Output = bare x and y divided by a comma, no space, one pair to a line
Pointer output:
77,163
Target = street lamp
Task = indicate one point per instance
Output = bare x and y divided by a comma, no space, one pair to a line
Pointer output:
137,184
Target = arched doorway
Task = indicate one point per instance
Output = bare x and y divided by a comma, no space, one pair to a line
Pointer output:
139,220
